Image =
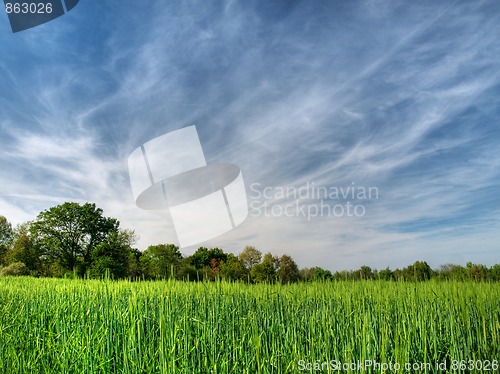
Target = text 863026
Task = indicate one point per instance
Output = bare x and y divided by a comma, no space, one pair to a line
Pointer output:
28,8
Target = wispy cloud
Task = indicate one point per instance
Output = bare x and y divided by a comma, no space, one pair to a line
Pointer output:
401,98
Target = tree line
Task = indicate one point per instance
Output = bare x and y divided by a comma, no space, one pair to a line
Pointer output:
77,240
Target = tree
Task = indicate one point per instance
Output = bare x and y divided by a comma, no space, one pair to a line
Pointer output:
135,269
386,274
200,258
306,274
161,260
477,272
24,250
266,270
452,272
250,257
494,273
365,272
187,271
111,257
419,271
288,272
217,257
343,275
315,274
203,257
233,269
6,237
68,233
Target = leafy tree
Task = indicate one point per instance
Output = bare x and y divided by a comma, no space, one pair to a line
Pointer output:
187,271
24,250
250,257
418,272
234,269
212,271
288,272
342,275
322,274
452,272
398,274
217,254
111,257
135,269
68,233
200,258
477,272
203,257
494,273
6,237
365,272
266,270
421,271
386,274
161,260
306,274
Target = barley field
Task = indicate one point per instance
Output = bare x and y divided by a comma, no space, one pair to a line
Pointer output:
91,326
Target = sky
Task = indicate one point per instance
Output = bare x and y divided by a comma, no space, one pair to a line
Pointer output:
317,102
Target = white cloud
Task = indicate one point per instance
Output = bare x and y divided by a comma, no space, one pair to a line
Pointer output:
366,102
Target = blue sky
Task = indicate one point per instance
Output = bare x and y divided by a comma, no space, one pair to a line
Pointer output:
399,96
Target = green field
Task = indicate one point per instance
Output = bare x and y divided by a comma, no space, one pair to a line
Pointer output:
91,326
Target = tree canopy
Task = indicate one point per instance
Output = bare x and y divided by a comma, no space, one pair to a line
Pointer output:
250,257
68,233
74,239
6,236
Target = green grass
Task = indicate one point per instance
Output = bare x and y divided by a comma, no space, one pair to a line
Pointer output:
76,326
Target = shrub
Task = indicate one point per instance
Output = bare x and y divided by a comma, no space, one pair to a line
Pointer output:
14,269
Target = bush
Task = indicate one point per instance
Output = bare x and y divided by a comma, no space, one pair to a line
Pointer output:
14,269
